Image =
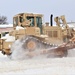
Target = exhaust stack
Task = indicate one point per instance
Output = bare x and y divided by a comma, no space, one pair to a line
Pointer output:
51,20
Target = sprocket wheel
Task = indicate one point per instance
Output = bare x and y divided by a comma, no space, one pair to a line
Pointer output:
31,45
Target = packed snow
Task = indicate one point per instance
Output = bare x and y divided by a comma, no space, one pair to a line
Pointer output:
50,66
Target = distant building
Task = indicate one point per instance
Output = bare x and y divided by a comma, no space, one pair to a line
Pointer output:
72,25
5,29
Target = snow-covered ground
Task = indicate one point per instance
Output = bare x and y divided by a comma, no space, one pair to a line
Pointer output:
49,66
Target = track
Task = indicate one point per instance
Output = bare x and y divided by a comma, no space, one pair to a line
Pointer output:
32,47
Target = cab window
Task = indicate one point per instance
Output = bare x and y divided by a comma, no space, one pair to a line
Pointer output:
15,21
21,19
31,19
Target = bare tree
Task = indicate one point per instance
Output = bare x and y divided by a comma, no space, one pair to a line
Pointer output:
3,20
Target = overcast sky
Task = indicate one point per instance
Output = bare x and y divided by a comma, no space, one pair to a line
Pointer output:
10,8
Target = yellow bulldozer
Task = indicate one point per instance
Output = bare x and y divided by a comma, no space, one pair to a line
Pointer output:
32,24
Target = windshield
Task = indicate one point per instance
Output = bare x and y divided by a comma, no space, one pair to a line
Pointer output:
31,19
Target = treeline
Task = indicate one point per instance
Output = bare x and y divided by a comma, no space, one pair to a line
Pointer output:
3,20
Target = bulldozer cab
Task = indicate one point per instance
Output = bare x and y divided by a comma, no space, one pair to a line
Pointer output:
28,20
